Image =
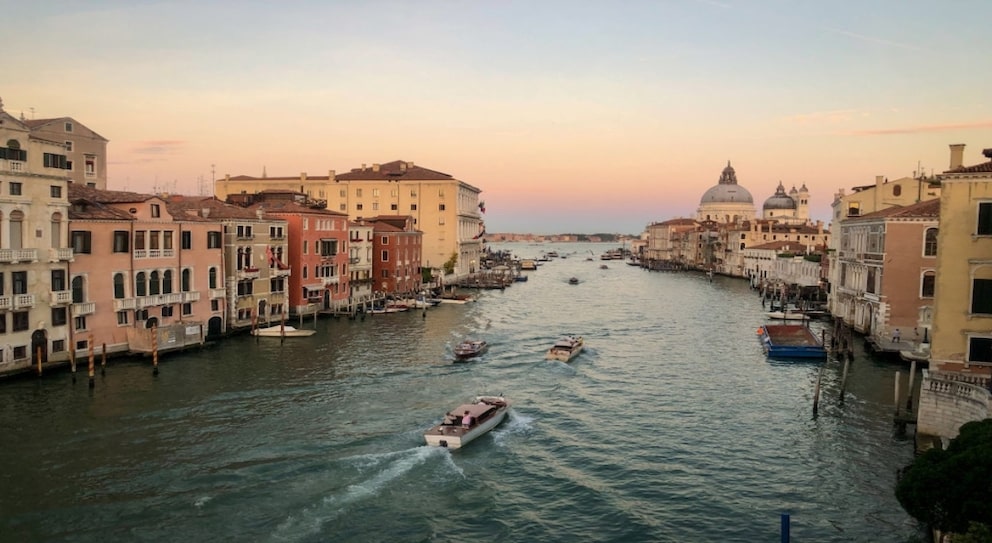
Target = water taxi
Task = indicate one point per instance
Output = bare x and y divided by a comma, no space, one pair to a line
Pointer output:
470,348
466,422
565,349
282,331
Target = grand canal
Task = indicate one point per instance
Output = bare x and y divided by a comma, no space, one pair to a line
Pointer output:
671,426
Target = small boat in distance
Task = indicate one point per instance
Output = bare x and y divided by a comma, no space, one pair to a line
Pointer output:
282,331
466,422
787,315
470,348
790,341
573,281
565,349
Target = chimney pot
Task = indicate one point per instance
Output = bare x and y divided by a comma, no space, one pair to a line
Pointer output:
957,155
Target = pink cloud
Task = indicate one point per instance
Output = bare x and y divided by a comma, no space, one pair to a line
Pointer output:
923,129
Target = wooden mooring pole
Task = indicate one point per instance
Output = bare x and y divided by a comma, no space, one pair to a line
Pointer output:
843,379
90,364
155,350
816,392
103,359
909,389
72,361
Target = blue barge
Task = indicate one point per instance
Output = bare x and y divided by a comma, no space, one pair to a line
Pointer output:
790,341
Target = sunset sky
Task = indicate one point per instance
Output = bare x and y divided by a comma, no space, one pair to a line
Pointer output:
571,116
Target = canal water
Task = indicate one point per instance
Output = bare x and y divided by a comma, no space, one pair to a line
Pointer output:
670,426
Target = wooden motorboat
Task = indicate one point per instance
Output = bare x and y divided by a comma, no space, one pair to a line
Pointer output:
565,349
282,331
484,414
470,348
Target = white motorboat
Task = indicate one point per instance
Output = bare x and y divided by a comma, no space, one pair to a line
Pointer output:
565,349
484,414
282,331
470,348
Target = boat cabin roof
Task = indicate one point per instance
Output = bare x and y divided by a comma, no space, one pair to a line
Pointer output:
474,409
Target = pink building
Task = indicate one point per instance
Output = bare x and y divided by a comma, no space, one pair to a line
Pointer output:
137,267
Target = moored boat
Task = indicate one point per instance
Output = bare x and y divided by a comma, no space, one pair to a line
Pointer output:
467,422
470,348
565,349
787,315
282,331
790,341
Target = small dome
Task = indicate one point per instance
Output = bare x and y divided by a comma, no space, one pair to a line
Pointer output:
780,200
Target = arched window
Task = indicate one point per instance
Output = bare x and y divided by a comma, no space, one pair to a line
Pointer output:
140,284
167,282
213,277
241,258
16,229
154,283
186,278
77,289
928,284
56,230
118,286
930,242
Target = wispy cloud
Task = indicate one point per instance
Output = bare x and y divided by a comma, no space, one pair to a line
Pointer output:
157,147
875,40
923,129
825,117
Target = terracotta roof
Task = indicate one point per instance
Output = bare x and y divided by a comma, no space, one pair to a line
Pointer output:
925,209
77,191
781,246
289,206
83,209
677,222
191,208
276,178
397,170
985,167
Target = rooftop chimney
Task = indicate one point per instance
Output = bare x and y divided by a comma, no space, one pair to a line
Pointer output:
205,212
375,167
957,155
303,176
879,179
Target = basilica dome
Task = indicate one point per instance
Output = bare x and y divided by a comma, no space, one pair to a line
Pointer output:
780,200
727,190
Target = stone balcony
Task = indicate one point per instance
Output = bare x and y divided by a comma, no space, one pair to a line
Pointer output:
280,272
217,293
247,273
61,297
123,304
158,299
191,296
85,308
14,256
23,301
328,281
63,254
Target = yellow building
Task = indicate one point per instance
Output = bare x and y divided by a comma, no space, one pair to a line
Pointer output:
444,208
962,328
955,389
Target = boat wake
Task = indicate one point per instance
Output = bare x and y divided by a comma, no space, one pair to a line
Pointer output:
514,425
383,469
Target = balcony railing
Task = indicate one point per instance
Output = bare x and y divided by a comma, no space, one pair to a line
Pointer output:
279,272
122,304
159,299
85,308
63,254
13,256
874,256
6,302
191,296
248,273
331,280
140,253
23,300
217,293
61,297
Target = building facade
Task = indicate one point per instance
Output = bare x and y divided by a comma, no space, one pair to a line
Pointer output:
396,254
35,253
955,388
444,208
85,150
